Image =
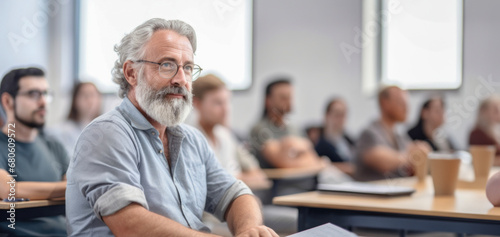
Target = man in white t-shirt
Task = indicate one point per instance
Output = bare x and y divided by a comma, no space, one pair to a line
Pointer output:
211,100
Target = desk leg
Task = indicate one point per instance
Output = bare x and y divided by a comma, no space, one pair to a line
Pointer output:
402,233
303,218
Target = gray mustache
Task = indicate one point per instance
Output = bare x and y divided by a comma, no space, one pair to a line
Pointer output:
173,90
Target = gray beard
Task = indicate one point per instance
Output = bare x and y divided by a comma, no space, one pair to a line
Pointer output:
167,112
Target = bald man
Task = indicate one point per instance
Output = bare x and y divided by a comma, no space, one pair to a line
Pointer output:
383,152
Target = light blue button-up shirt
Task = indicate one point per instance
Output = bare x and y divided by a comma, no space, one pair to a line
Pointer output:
119,159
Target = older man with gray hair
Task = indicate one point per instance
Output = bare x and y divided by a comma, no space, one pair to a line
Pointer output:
137,170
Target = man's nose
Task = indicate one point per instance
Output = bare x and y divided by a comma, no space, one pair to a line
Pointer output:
180,79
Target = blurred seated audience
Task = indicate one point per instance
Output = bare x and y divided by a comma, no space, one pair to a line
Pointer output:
383,152
487,128
428,126
85,107
40,161
334,143
211,101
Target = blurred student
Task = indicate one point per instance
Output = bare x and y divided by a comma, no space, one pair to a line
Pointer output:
40,161
277,145
427,128
85,107
334,143
382,152
487,129
275,141
211,101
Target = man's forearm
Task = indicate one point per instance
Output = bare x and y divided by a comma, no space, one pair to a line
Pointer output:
243,213
40,190
28,189
135,220
383,159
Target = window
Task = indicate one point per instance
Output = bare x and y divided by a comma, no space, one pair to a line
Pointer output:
223,28
421,45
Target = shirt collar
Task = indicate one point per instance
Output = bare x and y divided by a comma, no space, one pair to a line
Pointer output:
137,120
133,115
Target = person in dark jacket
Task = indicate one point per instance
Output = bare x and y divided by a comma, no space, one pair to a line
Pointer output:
334,142
428,126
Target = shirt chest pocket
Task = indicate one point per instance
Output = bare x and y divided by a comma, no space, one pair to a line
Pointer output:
195,182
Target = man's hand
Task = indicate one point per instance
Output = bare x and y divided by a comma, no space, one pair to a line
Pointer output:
415,152
258,231
244,218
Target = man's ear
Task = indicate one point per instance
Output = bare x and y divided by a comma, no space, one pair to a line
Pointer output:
130,73
7,102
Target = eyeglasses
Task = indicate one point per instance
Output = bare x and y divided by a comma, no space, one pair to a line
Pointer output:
37,94
169,69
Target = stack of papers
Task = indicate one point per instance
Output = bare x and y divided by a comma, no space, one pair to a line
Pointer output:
326,230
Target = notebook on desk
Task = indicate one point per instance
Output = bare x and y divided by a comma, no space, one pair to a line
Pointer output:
367,188
325,230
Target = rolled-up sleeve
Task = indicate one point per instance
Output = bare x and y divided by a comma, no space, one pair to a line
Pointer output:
237,189
106,168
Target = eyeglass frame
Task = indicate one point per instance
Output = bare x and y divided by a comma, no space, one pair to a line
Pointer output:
177,65
47,94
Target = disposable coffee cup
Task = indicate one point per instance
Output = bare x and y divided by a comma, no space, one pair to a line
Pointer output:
444,172
482,160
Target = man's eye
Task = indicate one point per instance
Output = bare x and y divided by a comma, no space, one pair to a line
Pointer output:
168,65
34,93
188,68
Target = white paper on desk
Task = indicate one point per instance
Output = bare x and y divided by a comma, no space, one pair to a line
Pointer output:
326,230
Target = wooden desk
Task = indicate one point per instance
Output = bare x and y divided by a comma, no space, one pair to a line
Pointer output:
467,212
33,209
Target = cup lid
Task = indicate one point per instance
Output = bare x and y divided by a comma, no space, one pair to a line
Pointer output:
442,155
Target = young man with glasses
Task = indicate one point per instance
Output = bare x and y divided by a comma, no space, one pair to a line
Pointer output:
138,171
36,162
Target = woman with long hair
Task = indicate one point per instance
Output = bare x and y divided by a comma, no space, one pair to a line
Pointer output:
428,126
85,107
